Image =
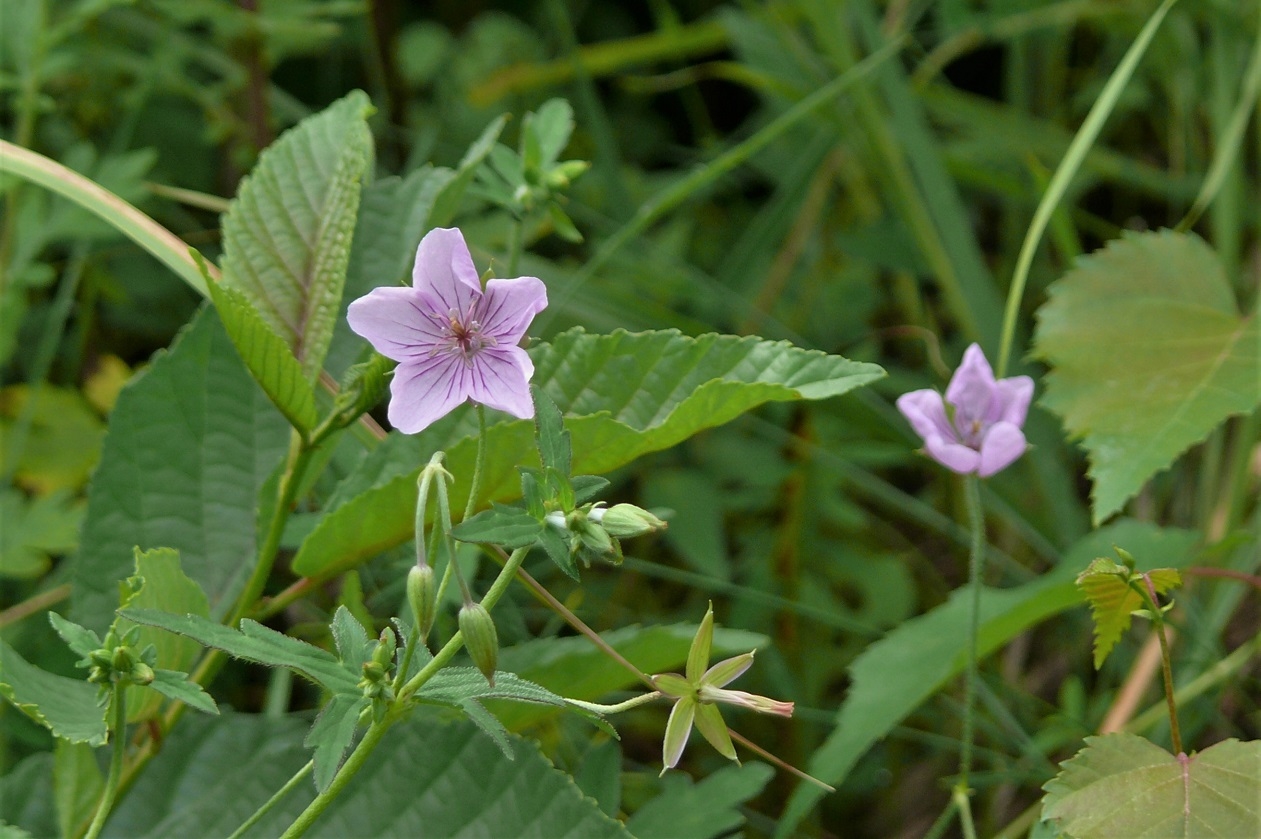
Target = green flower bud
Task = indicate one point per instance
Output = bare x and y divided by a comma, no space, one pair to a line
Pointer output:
560,176
124,660
480,638
142,674
624,521
422,597
362,387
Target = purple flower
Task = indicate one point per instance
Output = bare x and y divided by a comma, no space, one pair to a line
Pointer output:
980,432
453,342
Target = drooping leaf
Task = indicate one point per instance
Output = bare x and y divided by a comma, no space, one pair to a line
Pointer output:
255,642
191,441
1148,354
267,356
165,586
1112,600
287,234
215,772
625,395
1124,785
66,707
77,783
332,733
701,810
896,674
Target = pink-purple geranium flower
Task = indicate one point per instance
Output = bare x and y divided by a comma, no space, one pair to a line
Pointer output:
453,341
980,431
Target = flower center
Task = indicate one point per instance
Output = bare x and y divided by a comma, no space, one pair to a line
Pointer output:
464,336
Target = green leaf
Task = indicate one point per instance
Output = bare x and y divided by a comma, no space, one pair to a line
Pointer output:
625,395
77,784
435,779
255,642
457,684
175,685
447,202
708,808
267,356
191,441
507,526
287,234
896,674
36,529
550,126
83,641
66,707
1112,600
1123,785
1148,354
331,734
489,725
166,587
353,644
29,798
555,448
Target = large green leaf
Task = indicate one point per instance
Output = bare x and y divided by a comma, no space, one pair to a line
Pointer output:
896,674
625,395
287,234
166,586
66,707
426,778
268,357
1123,785
191,441
255,642
701,810
1148,354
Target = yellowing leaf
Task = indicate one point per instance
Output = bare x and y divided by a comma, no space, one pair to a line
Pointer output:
1112,600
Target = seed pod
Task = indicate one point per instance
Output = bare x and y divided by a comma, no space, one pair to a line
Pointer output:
422,597
480,638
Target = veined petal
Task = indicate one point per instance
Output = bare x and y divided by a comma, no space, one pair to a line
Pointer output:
392,320
710,723
1003,443
727,670
678,727
508,307
972,388
499,378
926,413
698,655
425,390
444,274
1014,395
954,456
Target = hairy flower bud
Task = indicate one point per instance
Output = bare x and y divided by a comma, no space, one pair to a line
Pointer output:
623,521
422,597
480,638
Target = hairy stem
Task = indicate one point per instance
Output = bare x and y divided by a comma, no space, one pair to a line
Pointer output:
118,703
976,564
1158,622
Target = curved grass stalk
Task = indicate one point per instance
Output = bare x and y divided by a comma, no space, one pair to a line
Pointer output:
1064,173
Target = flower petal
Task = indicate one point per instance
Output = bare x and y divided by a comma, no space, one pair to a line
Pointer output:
728,670
698,654
678,727
926,413
710,723
508,307
1003,443
425,390
500,378
444,274
1014,395
393,321
972,389
672,685
954,456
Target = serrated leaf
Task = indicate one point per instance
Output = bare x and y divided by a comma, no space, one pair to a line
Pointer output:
166,587
1124,785
625,395
587,487
80,639
457,684
1112,600
557,550
332,733
175,685
267,356
898,673
489,725
506,526
192,439
555,449
1148,354
287,234
66,707
708,808
255,642
215,772
353,645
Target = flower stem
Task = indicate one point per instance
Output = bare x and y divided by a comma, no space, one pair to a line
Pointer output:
271,802
976,565
118,703
479,464
1158,622
963,803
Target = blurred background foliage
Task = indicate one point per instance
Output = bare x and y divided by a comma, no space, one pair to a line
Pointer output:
883,227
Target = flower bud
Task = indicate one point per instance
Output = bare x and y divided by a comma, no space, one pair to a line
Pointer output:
623,521
141,674
422,597
480,638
